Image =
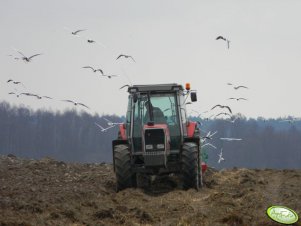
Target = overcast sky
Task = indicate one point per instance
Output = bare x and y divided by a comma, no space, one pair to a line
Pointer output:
171,41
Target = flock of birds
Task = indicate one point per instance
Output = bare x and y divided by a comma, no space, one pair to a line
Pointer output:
227,111
29,58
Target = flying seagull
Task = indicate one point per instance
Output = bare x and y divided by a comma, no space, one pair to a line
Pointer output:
229,84
13,93
47,97
220,155
208,144
205,137
94,70
28,94
15,82
90,41
208,136
240,98
223,113
102,128
110,76
222,106
28,59
237,87
75,32
228,41
126,56
76,103
40,97
221,37
124,86
110,123
290,120
230,139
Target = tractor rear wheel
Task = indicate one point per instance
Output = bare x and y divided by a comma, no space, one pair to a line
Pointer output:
190,166
124,176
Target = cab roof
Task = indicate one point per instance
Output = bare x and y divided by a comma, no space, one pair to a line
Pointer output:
155,87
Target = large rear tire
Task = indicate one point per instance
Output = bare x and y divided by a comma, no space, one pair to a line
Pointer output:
190,166
125,178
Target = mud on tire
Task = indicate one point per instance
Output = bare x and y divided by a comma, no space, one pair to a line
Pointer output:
190,175
123,171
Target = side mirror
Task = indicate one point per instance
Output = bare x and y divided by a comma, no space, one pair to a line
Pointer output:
193,96
135,97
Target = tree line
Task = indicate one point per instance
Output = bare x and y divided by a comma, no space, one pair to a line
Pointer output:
72,136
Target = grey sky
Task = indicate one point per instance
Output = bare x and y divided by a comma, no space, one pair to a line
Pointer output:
171,41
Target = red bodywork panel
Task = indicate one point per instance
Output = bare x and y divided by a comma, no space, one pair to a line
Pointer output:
122,131
191,128
204,167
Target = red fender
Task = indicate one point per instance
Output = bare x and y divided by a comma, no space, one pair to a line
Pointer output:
122,131
191,128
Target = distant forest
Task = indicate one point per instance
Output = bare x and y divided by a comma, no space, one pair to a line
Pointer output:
72,136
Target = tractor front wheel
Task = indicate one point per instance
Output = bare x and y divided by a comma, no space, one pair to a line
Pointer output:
122,159
190,166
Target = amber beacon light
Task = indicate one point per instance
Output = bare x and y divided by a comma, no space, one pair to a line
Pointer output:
187,86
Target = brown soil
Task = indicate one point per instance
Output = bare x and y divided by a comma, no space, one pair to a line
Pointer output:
49,192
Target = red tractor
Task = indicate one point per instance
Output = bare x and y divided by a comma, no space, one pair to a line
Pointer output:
157,137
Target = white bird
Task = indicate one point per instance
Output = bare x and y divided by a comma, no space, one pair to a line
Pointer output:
239,98
76,103
223,113
13,93
93,69
40,97
209,144
15,82
125,56
124,86
75,32
290,120
237,87
102,128
110,76
230,138
225,39
220,155
28,59
110,123
209,134
222,106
